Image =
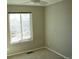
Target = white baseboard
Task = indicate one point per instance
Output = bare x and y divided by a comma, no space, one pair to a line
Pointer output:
25,51
57,53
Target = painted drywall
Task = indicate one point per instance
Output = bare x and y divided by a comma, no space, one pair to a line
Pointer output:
58,27
38,29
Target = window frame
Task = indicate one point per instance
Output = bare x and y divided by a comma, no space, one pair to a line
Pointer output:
31,28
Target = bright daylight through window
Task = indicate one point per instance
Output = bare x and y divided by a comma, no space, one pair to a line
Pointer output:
20,27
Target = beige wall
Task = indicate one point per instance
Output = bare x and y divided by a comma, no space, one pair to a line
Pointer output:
58,27
38,29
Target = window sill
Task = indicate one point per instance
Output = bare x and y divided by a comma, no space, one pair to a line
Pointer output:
22,41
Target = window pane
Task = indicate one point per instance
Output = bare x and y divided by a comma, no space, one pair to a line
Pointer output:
15,29
26,26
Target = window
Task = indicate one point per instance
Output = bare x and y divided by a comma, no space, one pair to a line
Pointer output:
20,27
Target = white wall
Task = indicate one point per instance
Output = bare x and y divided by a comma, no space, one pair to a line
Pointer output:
58,27
38,29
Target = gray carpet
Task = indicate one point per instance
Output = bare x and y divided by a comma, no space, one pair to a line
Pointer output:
39,54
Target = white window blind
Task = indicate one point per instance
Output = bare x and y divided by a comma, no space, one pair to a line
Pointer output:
20,27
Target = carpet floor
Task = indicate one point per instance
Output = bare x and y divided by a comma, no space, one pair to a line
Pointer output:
39,54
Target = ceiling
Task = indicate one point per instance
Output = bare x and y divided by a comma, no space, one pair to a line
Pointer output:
28,2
